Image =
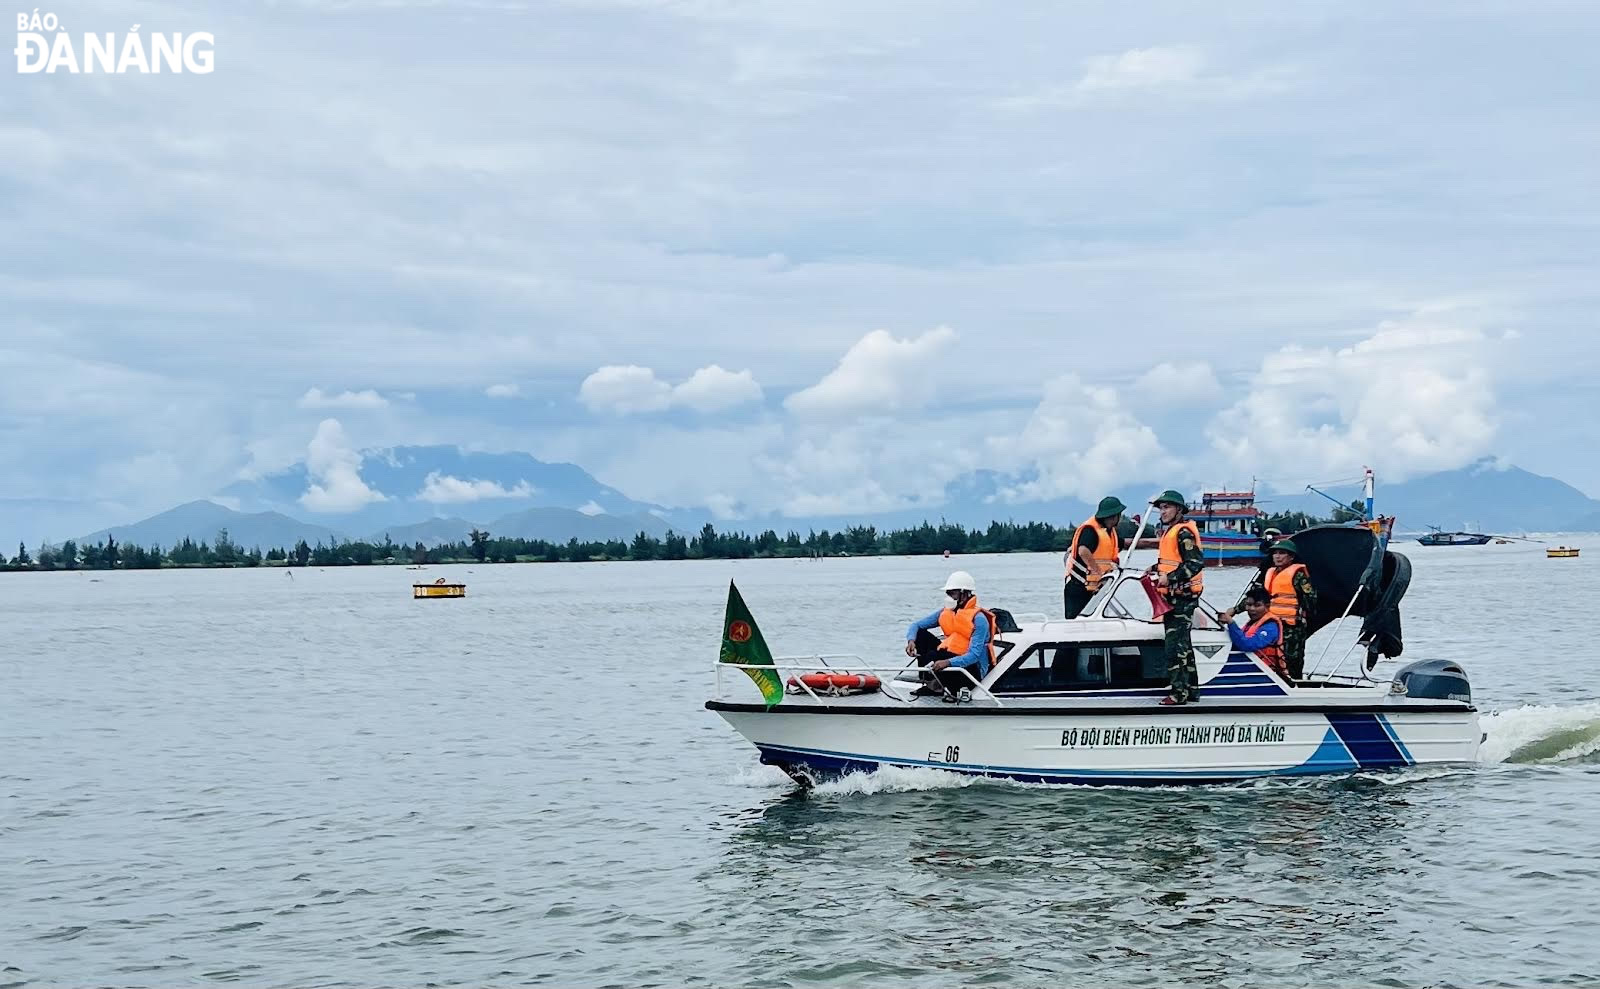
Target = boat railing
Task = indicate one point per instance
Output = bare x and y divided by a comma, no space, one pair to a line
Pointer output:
821,662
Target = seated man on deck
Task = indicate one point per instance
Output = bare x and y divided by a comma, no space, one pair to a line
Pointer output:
1262,634
966,643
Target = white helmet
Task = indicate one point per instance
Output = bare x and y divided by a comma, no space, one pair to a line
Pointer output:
960,581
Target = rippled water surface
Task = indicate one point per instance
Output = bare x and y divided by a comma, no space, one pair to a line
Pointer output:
211,776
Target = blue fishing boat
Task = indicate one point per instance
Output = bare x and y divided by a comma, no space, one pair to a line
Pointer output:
1229,528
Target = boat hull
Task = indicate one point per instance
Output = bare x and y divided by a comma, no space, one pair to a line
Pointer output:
1200,743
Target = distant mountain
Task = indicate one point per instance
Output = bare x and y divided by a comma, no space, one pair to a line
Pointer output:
1588,523
418,481
523,497
561,524
1489,495
1492,497
433,532
201,520
556,525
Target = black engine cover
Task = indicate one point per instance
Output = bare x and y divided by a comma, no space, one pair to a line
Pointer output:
1438,679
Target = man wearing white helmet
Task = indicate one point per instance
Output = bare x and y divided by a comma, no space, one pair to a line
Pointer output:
965,643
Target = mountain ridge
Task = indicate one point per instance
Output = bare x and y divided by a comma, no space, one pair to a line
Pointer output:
1488,494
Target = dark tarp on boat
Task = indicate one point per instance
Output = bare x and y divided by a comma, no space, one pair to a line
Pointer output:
1348,562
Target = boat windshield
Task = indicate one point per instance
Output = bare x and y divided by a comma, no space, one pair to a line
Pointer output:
1125,597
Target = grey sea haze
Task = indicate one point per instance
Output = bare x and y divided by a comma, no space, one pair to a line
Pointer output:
242,776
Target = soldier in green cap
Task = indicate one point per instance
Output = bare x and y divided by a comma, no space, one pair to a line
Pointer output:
1093,555
1179,562
1292,600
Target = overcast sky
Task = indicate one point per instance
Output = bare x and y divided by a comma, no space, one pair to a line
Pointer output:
805,256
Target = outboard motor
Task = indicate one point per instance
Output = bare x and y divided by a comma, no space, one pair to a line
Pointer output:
1433,679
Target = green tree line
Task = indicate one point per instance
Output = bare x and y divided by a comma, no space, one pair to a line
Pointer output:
483,547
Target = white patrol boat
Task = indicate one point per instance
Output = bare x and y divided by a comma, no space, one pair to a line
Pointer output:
1077,701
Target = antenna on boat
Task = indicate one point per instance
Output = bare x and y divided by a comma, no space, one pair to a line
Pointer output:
1144,518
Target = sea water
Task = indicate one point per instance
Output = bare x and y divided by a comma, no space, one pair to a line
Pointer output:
313,780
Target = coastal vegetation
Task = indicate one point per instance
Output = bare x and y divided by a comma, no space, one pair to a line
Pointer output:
483,547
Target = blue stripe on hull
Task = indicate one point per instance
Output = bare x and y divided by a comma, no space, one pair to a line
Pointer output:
1368,740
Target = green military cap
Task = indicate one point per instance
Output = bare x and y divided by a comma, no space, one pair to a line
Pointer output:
1169,496
1109,506
1287,545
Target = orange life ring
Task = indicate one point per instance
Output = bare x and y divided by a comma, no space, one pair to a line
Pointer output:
837,683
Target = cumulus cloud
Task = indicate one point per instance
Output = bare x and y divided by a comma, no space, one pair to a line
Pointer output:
711,389
625,390
1080,441
335,470
880,373
503,391
1142,68
316,398
443,489
1414,397
590,507
1168,386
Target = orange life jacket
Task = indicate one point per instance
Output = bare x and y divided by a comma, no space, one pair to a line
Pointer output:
1271,655
1168,556
1285,603
1105,555
957,626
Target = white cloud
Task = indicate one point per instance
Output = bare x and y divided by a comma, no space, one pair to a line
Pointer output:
591,508
1414,397
711,389
624,389
633,389
335,469
1169,386
443,489
1080,442
316,398
880,373
503,391
1142,68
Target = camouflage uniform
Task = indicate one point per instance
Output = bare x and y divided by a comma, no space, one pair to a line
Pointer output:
1178,624
1294,633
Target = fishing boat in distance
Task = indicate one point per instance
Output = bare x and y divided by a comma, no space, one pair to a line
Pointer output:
1075,701
1438,537
1229,525
1561,552
1229,528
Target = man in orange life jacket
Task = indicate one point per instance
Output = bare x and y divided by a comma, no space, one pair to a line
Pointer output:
966,643
1094,553
1178,565
1292,601
1262,633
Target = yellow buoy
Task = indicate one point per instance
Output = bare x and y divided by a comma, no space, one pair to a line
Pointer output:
439,589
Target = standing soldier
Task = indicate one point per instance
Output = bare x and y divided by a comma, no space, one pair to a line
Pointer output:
1093,554
1292,601
1178,565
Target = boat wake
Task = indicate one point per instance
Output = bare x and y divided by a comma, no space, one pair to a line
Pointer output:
896,779
1540,733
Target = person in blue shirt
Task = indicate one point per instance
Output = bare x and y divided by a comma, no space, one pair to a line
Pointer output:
1262,633
964,645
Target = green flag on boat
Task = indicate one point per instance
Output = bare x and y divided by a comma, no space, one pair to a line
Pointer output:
742,643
